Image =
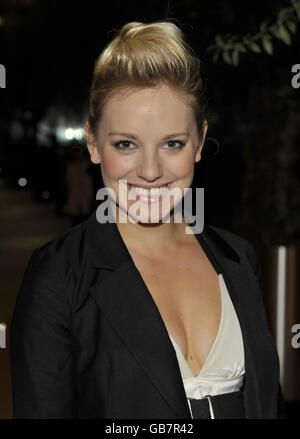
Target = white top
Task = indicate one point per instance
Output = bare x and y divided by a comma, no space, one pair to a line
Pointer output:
224,368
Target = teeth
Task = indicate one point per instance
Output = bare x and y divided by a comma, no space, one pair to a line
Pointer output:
153,191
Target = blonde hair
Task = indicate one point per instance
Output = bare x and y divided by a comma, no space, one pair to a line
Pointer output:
144,55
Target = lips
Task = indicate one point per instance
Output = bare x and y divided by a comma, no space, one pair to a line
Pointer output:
153,194
148,189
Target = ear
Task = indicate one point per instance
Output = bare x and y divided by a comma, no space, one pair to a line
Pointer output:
92,145
200,146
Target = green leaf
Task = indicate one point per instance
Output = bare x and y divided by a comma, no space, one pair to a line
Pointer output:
226,57
284,35
263,26
283,13
276,32
240,47
219,40
297,9
235,57
254,47
232,39
211,47
292,26
267,45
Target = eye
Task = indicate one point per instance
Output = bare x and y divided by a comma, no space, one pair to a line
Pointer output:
180,145
123,148
124,145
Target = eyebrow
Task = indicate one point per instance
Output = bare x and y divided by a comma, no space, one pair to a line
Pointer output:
169,136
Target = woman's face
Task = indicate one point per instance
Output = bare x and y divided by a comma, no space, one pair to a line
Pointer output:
149,138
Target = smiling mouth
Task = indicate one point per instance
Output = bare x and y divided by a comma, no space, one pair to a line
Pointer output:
152,192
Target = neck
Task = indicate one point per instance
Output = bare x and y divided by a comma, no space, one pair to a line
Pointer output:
152,237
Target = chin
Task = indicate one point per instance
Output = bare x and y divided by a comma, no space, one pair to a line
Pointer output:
143,214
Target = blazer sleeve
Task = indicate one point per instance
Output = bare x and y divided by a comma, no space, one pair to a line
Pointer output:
252,256
40,339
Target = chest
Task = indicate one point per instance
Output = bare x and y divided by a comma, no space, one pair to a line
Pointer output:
186,291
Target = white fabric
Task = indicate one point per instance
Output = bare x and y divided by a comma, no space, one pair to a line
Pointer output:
224,368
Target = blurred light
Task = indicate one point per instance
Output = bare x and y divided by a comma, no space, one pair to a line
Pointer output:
71,133
1,21
22,182
45,195
78,133
43,132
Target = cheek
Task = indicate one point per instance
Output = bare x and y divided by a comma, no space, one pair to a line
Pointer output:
114,166
184,165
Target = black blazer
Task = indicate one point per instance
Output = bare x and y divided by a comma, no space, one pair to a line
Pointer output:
87,340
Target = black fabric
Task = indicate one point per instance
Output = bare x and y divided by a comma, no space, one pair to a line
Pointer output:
225,406
87,339
200,408
228,406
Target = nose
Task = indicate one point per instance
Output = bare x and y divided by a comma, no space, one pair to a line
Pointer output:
150,167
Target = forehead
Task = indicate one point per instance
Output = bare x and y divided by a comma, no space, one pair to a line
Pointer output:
148,105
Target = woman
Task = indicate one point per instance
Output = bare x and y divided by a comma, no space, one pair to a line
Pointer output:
140,317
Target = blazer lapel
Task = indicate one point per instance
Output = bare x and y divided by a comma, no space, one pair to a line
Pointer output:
260,389
236,283
121,293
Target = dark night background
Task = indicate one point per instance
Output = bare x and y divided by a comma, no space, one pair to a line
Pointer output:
49,48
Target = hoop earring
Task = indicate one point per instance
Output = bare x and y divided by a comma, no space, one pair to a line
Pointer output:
214,140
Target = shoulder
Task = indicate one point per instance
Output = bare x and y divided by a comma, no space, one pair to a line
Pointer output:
234,239
55,271
60,254
241,245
